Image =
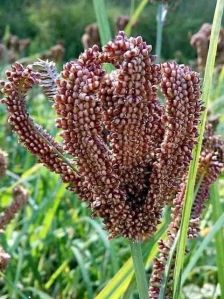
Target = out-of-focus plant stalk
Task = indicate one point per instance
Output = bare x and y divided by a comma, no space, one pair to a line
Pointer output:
135,16
160,19
132,8
219,237
102,21
103,25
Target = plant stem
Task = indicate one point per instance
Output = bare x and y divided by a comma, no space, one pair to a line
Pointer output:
134,18
136,253
132,8
217,211
159,32
189,194
104,27
102,21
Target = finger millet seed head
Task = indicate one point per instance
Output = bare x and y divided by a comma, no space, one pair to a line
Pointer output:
130,152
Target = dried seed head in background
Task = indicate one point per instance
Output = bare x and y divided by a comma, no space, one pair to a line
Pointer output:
13,48
131,152
121,22
4,259
55,53
20,197
91,36
200,41
210,167
3,163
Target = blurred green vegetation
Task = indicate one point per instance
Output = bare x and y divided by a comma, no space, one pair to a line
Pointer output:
47,22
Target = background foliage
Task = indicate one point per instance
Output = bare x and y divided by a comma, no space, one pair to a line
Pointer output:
47,22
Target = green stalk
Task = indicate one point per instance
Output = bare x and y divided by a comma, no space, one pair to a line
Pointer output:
135,16
102,21
132,8
139,267
189,195
104,26
219,237
159,32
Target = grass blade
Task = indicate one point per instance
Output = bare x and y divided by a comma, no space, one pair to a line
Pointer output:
160,18
189,195
39,293
120,280
104,27
50,213
219,238
84,271
198,253
55,275
170,260
15,289
132,8
103,237
102,21
135,16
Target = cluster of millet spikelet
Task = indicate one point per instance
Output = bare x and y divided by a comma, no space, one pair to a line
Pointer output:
129,153
19,198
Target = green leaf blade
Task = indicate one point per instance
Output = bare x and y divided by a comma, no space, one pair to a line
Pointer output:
189,195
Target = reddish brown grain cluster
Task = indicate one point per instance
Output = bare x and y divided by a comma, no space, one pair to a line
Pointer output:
160,261
210,167
211,164
35,138
130,151
181,88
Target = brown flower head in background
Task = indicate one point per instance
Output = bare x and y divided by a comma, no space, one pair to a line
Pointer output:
4,259
200,41
3,163
19,199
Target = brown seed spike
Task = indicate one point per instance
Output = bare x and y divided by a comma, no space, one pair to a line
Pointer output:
34,137
211,165
180,86
131,151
